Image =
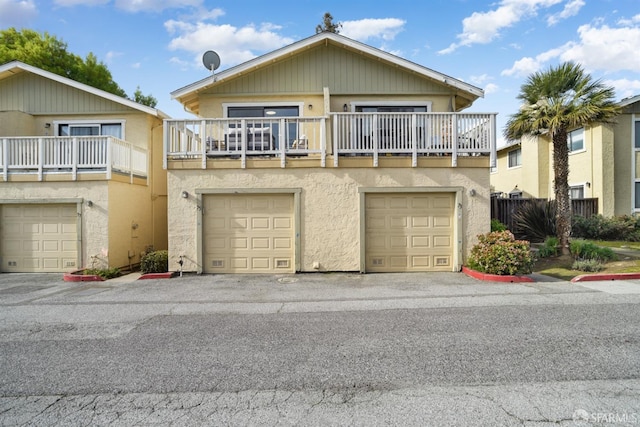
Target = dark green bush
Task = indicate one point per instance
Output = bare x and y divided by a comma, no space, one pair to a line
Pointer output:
550,247
597,227
536,220
584,250
499,253
155,262
496,225
105,273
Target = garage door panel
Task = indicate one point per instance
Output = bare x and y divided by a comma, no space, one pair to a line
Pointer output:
409,232
260,240
38,237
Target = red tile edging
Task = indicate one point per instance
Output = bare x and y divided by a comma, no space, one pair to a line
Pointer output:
496,277
167,275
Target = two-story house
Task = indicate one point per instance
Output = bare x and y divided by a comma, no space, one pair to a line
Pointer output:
603,164
81,176
327,155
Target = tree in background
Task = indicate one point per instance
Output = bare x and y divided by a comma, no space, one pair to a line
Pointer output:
554,102
328,25
49,53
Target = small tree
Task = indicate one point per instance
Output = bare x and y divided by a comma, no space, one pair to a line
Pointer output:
554,102
328,25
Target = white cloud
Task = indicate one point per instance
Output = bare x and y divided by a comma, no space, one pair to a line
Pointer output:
604,48
234,45
17,13
111,55
491,88
364,29
478,80
624,87
570,9
484,27
631,21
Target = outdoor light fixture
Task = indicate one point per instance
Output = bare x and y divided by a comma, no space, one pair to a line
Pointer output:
185,195
89,203
310,107
345,107
472,192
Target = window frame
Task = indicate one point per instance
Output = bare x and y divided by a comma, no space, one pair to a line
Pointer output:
570,141
519,158
89,123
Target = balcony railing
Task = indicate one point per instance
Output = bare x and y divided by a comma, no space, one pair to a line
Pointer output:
341,134
65,154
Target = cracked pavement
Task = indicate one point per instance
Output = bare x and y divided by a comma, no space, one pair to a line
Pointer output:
335,349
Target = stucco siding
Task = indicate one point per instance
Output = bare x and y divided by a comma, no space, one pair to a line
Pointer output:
329,207
624,160
506,178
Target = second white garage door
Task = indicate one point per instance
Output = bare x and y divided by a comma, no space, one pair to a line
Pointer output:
248,233
409,232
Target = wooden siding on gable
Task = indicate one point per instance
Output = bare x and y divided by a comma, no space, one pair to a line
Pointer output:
342,70
34,94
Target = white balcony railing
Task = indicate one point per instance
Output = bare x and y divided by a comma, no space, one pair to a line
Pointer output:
349,134
64,154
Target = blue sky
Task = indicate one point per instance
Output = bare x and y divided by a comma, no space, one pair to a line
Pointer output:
158,44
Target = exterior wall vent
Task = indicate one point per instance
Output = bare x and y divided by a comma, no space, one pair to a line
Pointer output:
377,261
282,263
217,263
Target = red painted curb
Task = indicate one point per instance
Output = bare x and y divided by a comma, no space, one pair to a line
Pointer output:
496,277
605,276
167,275
77,277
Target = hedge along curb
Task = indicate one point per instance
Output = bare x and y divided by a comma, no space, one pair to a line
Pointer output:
167,275
496,277
77,276
605,276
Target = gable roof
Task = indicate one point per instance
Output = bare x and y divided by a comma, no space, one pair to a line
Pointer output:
630,100
14,67
188,95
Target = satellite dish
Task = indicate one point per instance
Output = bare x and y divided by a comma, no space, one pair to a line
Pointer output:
211,60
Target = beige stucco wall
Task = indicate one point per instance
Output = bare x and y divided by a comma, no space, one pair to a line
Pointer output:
16,123
624,160
330,206
504,179
130,223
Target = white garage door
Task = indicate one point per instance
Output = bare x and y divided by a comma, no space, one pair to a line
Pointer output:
39,238
248,233
409,232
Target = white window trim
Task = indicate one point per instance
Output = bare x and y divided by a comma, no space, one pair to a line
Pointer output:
517,166
584,142
227,105
382,103
584,186
57,123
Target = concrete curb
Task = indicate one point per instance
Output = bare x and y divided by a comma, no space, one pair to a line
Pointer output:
605,277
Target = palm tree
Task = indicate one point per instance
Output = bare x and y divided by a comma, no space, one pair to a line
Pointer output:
554,102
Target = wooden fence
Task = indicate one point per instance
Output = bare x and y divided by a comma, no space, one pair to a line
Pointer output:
504,210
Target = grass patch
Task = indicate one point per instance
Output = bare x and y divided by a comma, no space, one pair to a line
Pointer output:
560,267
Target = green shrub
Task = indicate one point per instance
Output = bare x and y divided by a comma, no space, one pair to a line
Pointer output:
155,262
496,225
584,250
536,220
550,247
499,253
588,265
597,227
105,273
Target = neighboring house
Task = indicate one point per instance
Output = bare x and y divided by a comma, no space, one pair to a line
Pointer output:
603,164
81,177
327,155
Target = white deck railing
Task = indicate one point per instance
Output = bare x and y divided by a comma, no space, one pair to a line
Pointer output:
351,134
64,154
